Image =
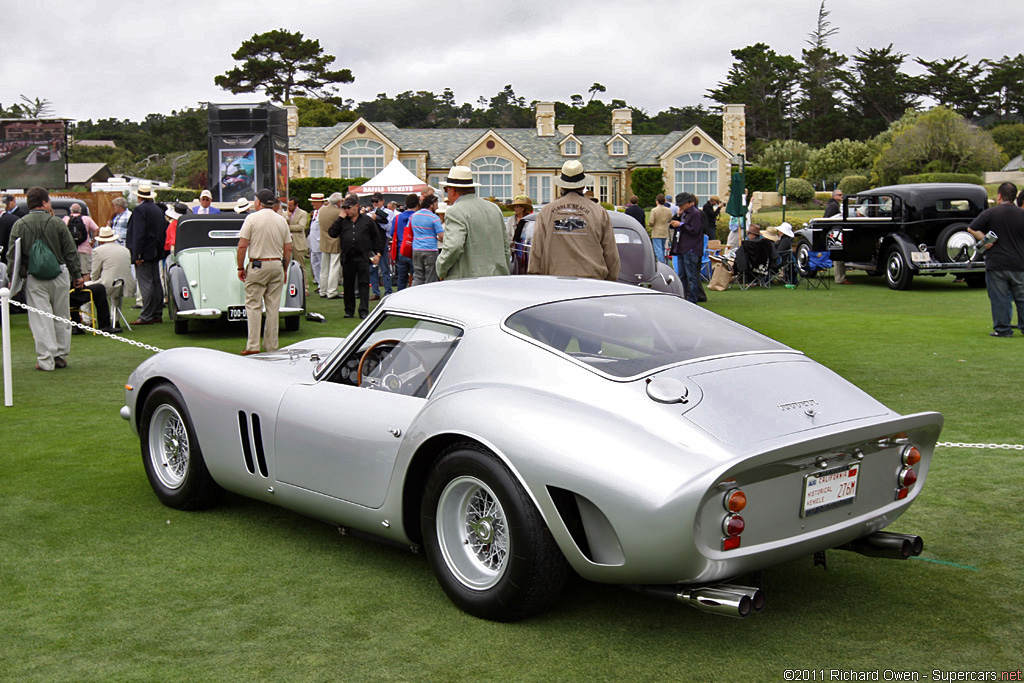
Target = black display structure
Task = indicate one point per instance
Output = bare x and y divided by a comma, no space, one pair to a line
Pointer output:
248,146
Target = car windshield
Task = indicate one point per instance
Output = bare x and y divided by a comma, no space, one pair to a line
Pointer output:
629,335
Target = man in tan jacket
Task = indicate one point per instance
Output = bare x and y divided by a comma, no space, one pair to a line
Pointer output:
330,247
658,223
297,221
573,235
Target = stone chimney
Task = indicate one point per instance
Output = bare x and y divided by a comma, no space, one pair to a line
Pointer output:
293,119
546,119
734,129
566,128
622,121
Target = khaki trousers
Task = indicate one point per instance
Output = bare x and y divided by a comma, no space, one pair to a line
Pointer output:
263,290
51,337
330,275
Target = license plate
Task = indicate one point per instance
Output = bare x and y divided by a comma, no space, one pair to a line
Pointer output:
829,489
920,256
236,313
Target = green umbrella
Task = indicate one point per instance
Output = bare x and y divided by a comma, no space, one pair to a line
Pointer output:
735,206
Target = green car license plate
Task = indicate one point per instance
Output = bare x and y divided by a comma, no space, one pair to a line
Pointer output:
829,489
236,313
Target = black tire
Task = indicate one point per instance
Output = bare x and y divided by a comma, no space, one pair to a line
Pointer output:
291,323
180,324
501,565
955,244
803,258
975,280
171,454
897,270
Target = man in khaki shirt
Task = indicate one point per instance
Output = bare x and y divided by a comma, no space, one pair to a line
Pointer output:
658,223
268,242
573,236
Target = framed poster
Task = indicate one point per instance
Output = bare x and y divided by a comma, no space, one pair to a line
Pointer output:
237,172
281,172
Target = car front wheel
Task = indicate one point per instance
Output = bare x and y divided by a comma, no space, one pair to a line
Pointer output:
803,259
897,272
485,539
171,455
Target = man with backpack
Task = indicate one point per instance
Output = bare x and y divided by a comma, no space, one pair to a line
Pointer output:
49,267
83,231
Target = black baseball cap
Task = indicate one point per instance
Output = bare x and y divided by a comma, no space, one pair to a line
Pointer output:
266,197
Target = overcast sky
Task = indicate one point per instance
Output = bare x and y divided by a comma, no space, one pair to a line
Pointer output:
120,60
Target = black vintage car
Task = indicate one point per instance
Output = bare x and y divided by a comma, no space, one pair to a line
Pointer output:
900,231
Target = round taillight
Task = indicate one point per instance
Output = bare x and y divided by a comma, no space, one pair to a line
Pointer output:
735,500
908,477
733,525
911,456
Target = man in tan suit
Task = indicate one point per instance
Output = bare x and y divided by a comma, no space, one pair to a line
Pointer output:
658,223
330,247
112,262
297,221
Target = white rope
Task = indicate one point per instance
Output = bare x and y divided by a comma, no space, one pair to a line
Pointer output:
1003,446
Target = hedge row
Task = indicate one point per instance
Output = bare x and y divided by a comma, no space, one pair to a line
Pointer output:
176,194
301,188
942,178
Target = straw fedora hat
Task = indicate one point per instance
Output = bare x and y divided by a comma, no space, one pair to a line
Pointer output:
317,197
522,200
771,233
242,205
107,234
573,177
460,176
146,191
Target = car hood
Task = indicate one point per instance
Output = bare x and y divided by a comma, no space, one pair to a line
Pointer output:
757,398
300,351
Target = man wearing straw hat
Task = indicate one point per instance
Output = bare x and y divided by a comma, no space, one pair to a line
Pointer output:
475,242
317,200
573,235
112,262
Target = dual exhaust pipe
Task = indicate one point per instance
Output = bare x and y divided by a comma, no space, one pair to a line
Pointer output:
726,599
886,544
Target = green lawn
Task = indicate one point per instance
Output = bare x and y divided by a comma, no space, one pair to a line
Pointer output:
99,582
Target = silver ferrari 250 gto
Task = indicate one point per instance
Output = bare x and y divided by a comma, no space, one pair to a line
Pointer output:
519,428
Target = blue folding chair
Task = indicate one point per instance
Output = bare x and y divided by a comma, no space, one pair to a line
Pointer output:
819,270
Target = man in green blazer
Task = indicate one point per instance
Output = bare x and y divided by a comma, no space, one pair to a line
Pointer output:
475,240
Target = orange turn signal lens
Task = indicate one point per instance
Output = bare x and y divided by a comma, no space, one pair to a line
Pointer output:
911,456
731,543
735,500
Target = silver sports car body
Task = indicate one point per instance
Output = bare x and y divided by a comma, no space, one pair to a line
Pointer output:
519,427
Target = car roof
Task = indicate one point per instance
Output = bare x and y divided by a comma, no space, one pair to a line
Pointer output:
477,302
207,230
926,191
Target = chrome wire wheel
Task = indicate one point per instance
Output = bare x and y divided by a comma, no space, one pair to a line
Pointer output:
472,532
168,446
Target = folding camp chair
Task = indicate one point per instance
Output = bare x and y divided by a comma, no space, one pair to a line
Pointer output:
753,265
80,308
819,270
711,249
115,297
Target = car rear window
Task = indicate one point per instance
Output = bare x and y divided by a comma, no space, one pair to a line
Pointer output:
632,334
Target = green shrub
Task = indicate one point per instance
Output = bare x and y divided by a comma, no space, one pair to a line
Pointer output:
759,179
647,183
301,188
176,194
942,178
798,189
852,184
608,206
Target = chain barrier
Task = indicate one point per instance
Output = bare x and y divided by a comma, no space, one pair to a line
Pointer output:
1002,446
87,328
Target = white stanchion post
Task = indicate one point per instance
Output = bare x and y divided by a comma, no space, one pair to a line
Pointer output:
5,310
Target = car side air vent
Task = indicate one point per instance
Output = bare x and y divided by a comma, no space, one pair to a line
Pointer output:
255,446
243,432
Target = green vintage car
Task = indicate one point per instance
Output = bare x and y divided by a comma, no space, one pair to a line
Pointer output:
202,275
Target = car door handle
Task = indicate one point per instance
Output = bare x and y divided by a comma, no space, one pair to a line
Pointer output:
395,431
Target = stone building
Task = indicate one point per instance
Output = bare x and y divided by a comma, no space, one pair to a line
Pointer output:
513,161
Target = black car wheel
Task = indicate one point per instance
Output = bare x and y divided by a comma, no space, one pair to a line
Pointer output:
955,244
180,324
897,272
291,323
975,280
171,455
803,258
485,539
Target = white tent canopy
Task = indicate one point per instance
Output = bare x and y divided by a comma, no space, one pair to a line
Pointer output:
395,178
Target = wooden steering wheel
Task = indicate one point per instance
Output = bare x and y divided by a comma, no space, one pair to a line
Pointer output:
375,348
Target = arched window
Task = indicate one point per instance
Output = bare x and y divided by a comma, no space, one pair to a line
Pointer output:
696,173
361,158
495,177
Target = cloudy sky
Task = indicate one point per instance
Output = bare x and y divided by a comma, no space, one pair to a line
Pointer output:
120,60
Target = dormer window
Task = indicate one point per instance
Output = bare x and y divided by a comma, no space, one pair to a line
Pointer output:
571,148
618,148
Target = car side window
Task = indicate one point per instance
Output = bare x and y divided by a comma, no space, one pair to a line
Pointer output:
401,355
874,207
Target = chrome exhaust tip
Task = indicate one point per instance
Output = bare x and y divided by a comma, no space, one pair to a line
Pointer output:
728,600
886,544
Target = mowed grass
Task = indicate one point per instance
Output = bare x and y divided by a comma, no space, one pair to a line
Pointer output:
14,172
100,582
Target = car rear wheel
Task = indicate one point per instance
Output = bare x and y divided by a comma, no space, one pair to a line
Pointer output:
955,244
171,455
485,539
180,324
291,323
975,280
897,272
